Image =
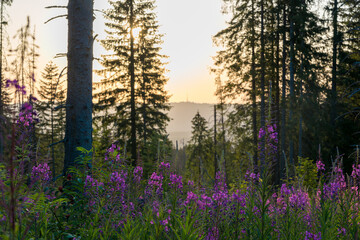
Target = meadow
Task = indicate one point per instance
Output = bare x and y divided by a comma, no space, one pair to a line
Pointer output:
110,199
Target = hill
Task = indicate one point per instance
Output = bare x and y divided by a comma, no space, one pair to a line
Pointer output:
181,114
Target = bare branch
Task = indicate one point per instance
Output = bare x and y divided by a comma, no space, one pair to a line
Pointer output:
64,15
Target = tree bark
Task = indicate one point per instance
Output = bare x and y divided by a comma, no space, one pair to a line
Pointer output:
78,131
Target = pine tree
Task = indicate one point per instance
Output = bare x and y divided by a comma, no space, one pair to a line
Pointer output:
134,88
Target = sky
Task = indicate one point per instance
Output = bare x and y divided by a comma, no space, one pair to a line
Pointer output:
187,25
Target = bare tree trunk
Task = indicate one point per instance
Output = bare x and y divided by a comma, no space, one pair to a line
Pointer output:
78,131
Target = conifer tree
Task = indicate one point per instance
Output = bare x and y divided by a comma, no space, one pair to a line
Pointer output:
52,94
240,49
135,75
52,122
134,86
199,151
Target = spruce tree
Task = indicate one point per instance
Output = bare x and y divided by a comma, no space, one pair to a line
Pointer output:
52,122
52,94
198,148
134,86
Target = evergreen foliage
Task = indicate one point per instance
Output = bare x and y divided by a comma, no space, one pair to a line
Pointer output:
133,39
199,149
51,127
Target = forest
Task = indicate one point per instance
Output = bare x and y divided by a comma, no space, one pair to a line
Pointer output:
85,159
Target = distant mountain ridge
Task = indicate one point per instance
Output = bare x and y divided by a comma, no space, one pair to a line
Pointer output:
181,114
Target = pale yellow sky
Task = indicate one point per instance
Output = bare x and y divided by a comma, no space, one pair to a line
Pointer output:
188,26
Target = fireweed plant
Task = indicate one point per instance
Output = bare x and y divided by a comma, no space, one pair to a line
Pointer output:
107,198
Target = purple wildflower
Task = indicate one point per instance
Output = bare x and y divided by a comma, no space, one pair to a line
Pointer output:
41,172
261,133
164,166
138,172
190,198
320,166
341,231
176,181
119,180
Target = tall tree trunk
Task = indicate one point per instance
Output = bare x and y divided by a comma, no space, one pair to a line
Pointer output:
78,131
273,87
253,88
283,99
291,83
132,87
302,76
262,110
334,67
277,90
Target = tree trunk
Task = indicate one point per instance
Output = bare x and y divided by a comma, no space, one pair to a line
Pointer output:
302,76
334,66
78,131
283,99
253,86
277,91
291,85
132,87
262,110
